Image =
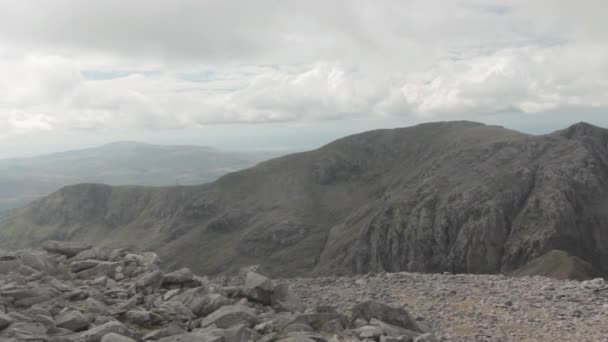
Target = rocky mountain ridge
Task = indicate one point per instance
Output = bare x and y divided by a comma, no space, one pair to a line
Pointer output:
460,197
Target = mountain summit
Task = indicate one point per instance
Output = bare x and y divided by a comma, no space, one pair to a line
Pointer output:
448,196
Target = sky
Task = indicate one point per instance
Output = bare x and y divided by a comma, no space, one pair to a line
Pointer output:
283,74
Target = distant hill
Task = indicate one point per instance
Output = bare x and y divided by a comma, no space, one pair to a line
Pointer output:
461,197
120,163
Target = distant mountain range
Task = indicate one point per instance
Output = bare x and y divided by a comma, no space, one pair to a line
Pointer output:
461,197
120,163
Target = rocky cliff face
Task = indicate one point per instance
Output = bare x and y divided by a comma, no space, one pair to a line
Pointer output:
456,196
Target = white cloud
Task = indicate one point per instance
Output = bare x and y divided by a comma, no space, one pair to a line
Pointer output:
188,63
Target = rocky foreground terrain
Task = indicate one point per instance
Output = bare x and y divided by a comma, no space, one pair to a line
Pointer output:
71,292
477,307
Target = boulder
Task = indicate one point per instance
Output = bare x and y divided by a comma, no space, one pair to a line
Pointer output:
283,299
166,331
190,337
103,268
97,333
179,277
258,288
428,337
240,333
150,279
230,315
393,330
67,248
72,320
382,312
318,319
113,337
202,306
5,320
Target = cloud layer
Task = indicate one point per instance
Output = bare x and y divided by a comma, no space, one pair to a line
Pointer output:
92,65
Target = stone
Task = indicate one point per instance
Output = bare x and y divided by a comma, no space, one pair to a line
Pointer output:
95,253
170,330
227,316
202,306
72,320
113,337
283,299
103,268
95,334
82,265
258,288
5,320
150,279
369,332
395,316
317,320
179,277
142,318
428,337
191,337
240,333
67,248
393,330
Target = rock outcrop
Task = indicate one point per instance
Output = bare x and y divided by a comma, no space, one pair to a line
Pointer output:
459,197
58,302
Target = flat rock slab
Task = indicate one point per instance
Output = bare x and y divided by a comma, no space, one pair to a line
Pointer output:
67,248
227,316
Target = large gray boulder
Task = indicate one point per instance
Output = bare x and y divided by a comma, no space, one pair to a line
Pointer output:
382,312
179,277
202,306
5,320
72,320
113,337
258,288
283,299
67,248
97,333
150,279
227,316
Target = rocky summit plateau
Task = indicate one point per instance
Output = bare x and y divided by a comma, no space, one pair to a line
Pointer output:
71,292
459,197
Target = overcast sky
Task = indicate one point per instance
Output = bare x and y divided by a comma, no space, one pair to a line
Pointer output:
291,74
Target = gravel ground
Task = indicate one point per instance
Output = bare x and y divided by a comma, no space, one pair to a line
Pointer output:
477,307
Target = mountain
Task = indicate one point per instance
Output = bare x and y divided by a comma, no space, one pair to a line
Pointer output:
461,197
25,179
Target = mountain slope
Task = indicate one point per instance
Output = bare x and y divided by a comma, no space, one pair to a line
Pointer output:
455,196
25,179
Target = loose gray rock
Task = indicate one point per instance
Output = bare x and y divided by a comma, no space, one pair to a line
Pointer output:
227,316
202,306
113,337
384,313
67,248
258,288
72,320
5,320
179,277
97,333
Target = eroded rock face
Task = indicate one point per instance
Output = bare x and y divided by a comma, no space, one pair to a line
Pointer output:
456,197
91,303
